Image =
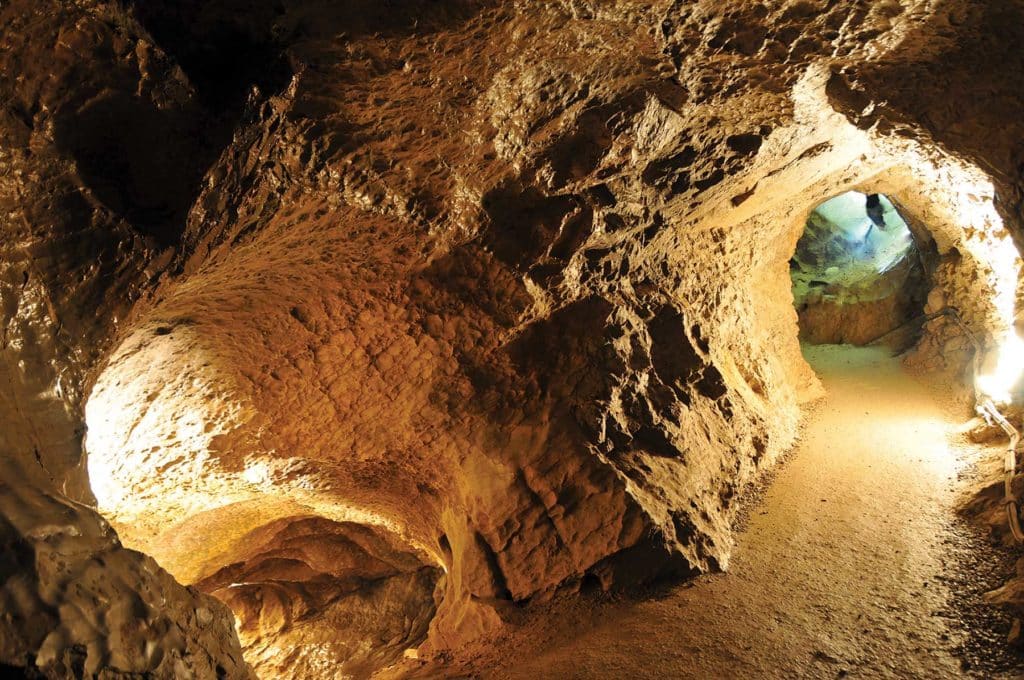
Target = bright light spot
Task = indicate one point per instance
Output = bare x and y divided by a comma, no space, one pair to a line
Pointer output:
153,419
1006,267
256,473
1002,255
844,248
1001,373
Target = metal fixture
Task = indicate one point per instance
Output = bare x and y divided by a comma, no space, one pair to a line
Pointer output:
991,414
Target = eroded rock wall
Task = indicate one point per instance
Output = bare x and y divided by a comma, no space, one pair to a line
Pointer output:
364,599
477,331
506,283
98,130
77,604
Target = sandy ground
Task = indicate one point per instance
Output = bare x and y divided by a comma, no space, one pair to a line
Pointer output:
839,572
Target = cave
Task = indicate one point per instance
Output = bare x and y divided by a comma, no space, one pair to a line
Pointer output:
477,339
859,274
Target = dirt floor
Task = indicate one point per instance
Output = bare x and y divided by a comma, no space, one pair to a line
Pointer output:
843,569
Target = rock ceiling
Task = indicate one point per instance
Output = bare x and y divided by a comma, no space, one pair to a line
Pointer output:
416,312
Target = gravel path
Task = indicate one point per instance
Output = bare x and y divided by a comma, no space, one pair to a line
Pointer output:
839,572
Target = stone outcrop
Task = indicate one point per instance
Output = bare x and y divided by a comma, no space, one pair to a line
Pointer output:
75,603
490,299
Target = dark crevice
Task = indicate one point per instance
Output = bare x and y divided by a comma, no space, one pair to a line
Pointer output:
142,162
143,159
497,575
223,47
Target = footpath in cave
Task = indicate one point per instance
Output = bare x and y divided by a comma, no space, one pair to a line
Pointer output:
843,569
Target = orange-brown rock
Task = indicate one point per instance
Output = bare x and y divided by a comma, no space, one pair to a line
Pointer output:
367,304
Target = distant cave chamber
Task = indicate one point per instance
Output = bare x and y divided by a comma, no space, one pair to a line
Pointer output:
307,591
860,274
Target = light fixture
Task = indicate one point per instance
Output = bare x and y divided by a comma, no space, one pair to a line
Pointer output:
1002,370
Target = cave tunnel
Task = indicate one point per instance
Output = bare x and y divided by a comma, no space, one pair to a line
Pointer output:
859,274
511,340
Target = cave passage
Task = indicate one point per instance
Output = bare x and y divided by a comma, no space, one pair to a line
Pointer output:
463,338
857,272
843,567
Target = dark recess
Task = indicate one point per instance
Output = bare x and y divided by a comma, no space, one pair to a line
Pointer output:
224,47
146,163
142,163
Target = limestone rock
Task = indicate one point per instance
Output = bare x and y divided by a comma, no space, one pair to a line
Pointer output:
76,604
483,300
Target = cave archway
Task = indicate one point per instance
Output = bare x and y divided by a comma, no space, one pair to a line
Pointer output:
484,302
178,467
860,273
269,393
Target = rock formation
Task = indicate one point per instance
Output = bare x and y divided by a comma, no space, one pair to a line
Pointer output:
418,311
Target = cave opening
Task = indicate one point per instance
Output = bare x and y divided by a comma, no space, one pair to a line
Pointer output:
860,273
312,580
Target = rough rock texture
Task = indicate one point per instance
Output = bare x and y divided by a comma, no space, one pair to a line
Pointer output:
308,592
75,603
506,282
99,140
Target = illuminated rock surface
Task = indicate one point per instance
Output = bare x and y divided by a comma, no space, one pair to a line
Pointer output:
488,301
838,608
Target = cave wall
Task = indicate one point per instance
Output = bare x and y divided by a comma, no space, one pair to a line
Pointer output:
98,131
77,604
506,284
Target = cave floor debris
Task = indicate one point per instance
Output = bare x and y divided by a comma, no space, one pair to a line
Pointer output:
841,571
